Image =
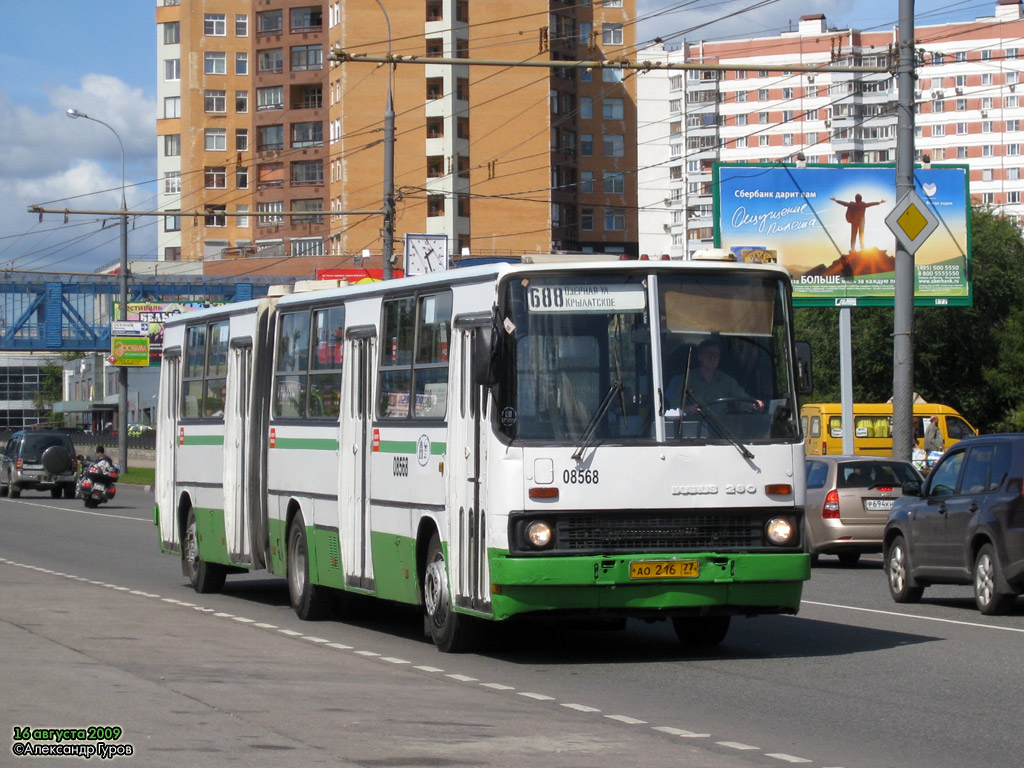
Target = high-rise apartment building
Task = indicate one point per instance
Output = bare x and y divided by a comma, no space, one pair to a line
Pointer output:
501,160
968,110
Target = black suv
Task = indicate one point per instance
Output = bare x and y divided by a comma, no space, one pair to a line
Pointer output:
963,525
39,459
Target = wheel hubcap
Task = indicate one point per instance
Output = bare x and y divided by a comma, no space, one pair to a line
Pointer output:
191,548
297,561
897,569
435,591
984,582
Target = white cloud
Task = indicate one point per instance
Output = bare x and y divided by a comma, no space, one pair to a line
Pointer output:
47,158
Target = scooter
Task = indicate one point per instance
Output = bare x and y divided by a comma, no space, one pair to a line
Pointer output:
96,483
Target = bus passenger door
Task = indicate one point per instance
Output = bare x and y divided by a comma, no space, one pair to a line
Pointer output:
167,448
467,454
236,416
357,444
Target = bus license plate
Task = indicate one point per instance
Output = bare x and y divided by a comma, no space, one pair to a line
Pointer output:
664,569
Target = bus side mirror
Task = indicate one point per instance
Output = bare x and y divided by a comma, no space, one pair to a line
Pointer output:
804,380
484,364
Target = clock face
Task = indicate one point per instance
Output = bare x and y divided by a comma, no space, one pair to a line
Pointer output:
425,254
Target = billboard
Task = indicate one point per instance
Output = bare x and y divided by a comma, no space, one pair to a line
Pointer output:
826,225
153,314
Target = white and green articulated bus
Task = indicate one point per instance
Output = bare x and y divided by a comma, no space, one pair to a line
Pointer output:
495,442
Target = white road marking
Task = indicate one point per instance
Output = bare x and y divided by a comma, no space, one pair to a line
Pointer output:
626,720
912,616
735,745
680,732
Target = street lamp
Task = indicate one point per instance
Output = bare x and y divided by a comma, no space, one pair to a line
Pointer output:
388,249
122,371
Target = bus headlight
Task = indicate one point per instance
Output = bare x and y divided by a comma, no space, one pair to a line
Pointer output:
780,530
538,533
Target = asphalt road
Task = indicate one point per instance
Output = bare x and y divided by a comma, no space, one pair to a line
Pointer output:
97,628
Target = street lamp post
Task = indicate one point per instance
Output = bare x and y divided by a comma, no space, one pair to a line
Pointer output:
388,249
122,371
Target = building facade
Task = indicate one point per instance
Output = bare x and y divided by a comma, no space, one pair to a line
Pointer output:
967,111
280,150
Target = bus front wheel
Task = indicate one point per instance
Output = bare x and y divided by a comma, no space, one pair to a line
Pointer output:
204,577
451,632
701,631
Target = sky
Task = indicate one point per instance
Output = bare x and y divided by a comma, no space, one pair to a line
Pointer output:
99,57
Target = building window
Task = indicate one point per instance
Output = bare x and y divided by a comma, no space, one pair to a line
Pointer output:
270,213
305,19
172,145
215,216
172,70
271,97
435,205
762,118
307,57
307,134
172,183
216,140
215,24
611,75
269,137
241,25
586,108
312,206
612,109
271,175
614,219
241,177
241,101
216,177
611,34
270,22
613,145
172,106
614,183
241,63
741,96
587,219
215,101
270,60
215,63
435,88
172,33
172,223
586,145
938,130
307,172
242,222
241,139
586,182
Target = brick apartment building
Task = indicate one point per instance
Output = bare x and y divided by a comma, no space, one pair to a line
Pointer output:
256,123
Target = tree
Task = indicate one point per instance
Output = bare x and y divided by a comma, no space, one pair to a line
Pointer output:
51,390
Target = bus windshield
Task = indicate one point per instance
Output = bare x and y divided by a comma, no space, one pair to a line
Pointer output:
581,355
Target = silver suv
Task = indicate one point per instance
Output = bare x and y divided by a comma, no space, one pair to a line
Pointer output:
41,460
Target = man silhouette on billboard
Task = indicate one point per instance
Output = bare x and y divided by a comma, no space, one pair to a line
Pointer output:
855,215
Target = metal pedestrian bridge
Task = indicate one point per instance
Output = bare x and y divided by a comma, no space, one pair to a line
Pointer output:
51,312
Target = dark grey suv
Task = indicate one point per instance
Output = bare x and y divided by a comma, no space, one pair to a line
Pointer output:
37,459
963,525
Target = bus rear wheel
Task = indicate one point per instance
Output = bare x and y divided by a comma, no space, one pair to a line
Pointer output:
309,600
204,577
701,631
451,632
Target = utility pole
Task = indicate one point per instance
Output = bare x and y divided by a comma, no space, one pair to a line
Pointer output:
903,319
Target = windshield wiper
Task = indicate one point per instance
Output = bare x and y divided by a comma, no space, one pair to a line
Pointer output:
715,421
602,409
